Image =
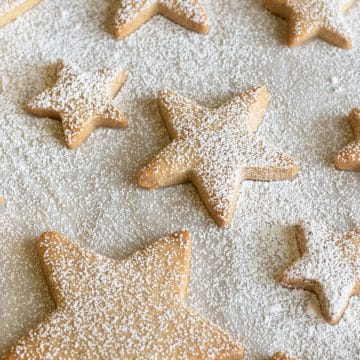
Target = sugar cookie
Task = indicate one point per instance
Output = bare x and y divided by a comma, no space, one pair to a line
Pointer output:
133,13
216,149
349,157
129,309
329,266
312,18
82,101
11,9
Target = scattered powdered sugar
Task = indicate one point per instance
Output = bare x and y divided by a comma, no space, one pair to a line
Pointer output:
316,17
130,9
217,148
80,98
351,153
134,308
332,260
91,194
9,5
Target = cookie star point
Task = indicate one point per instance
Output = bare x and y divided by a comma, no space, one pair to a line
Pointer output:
328,266
122,309
314,18
82,101
348,158
216,149
134,13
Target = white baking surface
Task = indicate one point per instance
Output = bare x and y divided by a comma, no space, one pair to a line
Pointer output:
91,195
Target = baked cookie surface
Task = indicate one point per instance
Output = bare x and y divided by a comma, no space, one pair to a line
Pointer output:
134,308
216,150
329,266
312,18
82,101
348,158
133,13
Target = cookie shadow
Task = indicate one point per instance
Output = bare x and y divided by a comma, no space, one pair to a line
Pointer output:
342,121
291,249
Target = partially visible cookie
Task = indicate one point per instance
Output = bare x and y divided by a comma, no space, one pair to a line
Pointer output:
82,101
314,18
11,9
216,149
329,266
349,157
282,356
133,13
129,309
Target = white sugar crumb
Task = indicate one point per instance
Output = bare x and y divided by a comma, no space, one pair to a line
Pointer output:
320,13
217,147
79,98
130,9
91,194
121,309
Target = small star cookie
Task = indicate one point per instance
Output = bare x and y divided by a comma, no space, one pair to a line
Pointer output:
82,101
312,18
329,266
11,9
129,309
349,157
216,149
133,13
282,356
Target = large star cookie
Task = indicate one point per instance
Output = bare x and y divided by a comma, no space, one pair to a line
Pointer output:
349,157
311,18
329,266
133,13
11,9
83,101
216,149
282,356
129,309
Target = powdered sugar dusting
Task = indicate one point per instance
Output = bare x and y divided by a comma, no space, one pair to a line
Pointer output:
331,260
79,99
349,157
92,196
130,9
308,18
129,309
216,149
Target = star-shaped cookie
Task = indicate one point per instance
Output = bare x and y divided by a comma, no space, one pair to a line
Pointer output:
129,309
329,266
133,13
11,9
312,18
349,157
216,149
82,101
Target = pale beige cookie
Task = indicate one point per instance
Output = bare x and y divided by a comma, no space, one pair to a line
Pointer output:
329,266
349,157
129,309
314,18
133,13
11,9
282,356
82,101
216,149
